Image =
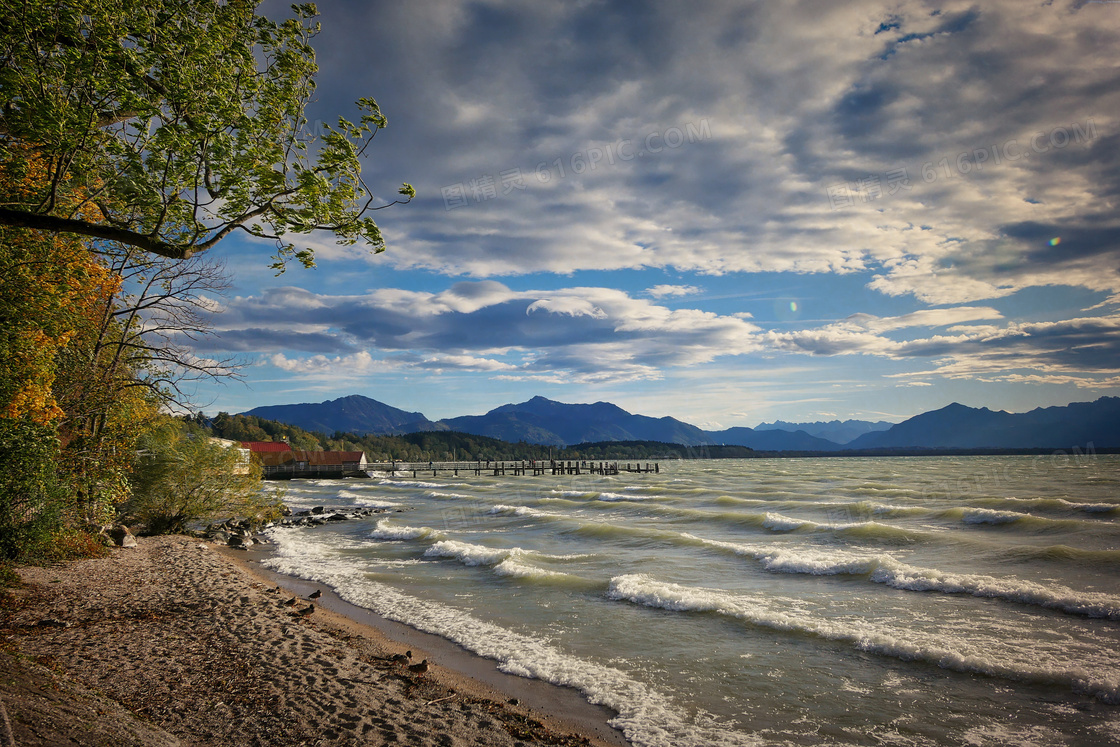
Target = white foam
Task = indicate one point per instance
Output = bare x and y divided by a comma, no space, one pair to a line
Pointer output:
522,511
619,497
438,494
779,523
413,483
469,554
1097,508
884,569
988,516
376,503
979,655
386,531
367,500
514,568
646,717
1063,503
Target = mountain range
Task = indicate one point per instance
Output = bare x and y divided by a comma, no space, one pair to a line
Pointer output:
840,432
544,421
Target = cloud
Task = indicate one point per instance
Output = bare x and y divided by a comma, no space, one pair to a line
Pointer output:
569,306
1083,351
864,333
661,291
343,366
935,154
582,333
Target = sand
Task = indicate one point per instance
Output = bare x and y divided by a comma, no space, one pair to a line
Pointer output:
177,642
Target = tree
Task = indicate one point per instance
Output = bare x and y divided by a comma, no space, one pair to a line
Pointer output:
183,475
179,121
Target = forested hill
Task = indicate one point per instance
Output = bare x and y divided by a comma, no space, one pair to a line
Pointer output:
449,445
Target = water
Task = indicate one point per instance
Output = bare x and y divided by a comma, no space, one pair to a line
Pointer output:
902,601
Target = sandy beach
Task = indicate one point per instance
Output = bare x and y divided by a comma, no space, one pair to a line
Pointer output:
177,642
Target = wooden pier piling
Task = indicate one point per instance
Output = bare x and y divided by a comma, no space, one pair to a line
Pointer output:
516,468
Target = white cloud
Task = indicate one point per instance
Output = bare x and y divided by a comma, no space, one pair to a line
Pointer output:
661,291
799,100
321,366
582,334
568,306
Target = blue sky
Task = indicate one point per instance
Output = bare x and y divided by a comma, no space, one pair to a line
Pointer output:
727,212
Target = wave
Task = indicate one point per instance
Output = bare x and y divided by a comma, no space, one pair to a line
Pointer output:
866,530
884,569
506,561
574,493
365,499
514,568
468,554
759,610
1019,519
645,716
438,494
605,496
502,509
779,523
988,516
419,484
1063,553
1051,504
871,508
386,531
888,491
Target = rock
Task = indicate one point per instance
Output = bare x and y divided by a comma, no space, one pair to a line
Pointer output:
318,510
238,541
121,536
336,517
220,536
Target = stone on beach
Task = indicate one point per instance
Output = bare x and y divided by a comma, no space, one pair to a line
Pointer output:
121,535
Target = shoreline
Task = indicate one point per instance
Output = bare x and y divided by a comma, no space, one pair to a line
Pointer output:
197,644
558,707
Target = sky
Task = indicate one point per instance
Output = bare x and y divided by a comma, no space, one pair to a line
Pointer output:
725,212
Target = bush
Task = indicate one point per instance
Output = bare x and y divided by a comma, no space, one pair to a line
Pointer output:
31,497
182,477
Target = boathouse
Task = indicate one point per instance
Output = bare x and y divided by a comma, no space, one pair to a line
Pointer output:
280,461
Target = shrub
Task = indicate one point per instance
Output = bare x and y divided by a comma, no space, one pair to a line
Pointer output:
31,497
182,477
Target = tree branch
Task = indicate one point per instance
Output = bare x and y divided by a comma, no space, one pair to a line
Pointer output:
55,224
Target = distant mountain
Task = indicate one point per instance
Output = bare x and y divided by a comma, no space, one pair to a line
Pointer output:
353,414
840,432
958,426
772,440
545,421
541,420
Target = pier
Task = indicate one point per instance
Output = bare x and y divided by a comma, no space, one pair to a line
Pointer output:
514,468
